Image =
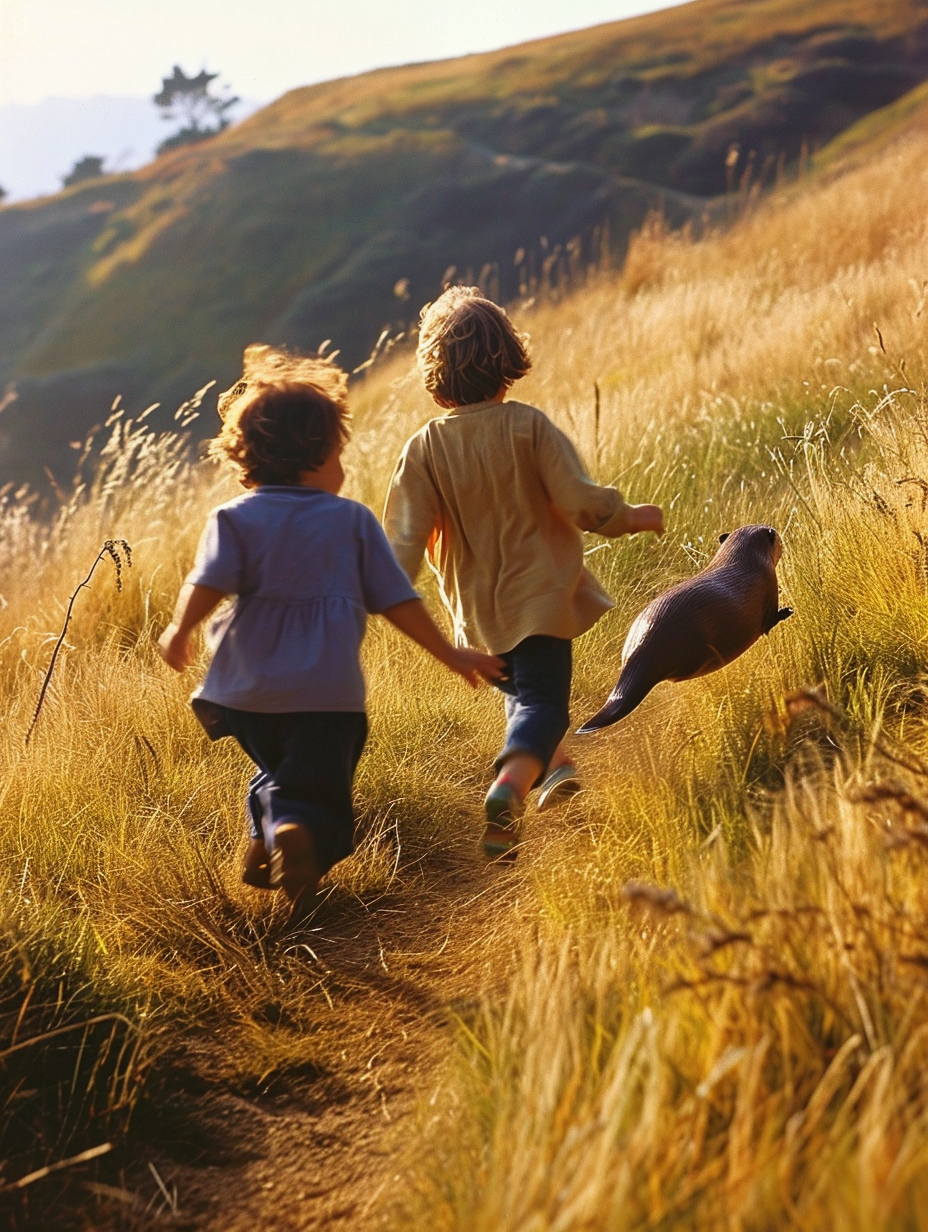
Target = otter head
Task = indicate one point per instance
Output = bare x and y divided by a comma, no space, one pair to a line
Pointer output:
762,540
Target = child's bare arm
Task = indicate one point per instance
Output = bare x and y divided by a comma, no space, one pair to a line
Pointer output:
412,619
591,506
632,519
194,604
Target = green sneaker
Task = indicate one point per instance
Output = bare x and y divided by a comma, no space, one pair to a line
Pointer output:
503,831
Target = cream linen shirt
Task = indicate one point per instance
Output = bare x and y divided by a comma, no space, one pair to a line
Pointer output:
498,497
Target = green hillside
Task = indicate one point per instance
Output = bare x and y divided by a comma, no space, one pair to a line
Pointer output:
336,211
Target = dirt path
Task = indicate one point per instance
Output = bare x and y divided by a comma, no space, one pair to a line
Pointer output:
330,1152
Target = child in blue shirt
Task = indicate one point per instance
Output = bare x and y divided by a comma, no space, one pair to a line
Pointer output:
306,566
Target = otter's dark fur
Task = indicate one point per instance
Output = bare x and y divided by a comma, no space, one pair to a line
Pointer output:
703,623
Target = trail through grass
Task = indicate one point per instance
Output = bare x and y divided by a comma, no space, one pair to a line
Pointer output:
699,998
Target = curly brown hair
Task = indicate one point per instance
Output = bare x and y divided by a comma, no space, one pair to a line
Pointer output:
468,348
285,416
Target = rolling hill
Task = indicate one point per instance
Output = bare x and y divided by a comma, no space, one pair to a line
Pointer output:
337,210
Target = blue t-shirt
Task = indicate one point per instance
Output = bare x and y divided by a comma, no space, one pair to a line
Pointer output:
305,568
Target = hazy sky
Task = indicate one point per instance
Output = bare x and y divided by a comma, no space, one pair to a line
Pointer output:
80,48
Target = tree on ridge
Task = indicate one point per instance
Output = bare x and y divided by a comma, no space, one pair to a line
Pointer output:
190,101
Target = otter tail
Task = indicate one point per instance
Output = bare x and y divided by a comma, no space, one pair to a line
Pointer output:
631,690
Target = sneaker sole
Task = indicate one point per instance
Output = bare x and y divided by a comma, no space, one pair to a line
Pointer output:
501,842
559,793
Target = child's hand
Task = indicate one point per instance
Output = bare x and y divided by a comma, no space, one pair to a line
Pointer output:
194,603
474,665
646,517
411,618
175,649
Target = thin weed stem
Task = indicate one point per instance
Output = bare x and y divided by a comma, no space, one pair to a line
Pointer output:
110,548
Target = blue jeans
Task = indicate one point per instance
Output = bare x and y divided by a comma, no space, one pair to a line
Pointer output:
306,763
537,698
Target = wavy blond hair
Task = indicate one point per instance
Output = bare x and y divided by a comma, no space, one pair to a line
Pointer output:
286,415
468,348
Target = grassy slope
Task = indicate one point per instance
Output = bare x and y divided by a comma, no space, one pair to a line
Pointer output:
865,138
750,1047
297,224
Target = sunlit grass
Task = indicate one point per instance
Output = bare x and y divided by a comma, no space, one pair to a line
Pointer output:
739,1036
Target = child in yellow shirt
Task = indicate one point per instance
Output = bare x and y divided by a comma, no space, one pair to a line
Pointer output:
498,497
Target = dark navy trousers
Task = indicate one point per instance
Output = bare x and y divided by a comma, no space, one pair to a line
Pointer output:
537,697
306,763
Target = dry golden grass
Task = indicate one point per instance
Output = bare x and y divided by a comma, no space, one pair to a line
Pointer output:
748,1051
734,1041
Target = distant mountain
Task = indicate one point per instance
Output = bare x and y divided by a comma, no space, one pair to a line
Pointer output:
40,142
339,209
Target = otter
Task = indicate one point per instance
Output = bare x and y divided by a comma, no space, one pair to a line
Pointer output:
701,624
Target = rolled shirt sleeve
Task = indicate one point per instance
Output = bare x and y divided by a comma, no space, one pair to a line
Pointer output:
412,511
220,556
384,581
570,489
